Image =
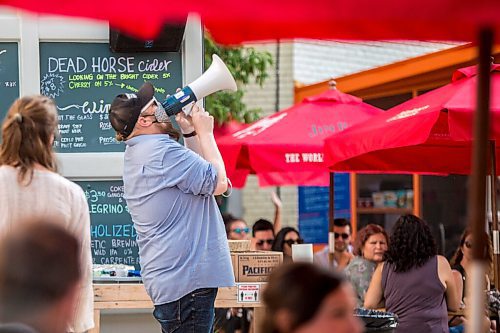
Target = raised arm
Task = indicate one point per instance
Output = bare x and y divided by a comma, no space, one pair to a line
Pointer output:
186,124
277,211
204,125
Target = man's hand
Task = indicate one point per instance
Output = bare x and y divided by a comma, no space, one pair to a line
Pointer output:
203,122
185,122
276,200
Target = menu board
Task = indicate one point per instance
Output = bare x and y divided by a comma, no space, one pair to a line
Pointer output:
113,236
313,208
84,78
9,76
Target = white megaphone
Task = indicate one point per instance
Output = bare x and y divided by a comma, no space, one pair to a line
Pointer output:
216,77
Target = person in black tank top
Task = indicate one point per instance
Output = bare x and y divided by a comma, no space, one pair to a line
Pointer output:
414,282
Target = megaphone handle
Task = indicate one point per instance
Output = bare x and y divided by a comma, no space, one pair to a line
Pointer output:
174,104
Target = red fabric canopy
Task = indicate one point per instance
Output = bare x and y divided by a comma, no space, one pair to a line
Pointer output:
238,21
462,105
416,136
286,148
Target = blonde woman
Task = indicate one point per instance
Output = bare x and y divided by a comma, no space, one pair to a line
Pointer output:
31,188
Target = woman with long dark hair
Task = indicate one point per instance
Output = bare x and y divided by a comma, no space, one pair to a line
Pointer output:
415,283
30,188
461,260
284,240
461,268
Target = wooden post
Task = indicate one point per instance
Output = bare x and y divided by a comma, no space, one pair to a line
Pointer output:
417,192
354,203
331,218
97,322
477,191
494,216
258,318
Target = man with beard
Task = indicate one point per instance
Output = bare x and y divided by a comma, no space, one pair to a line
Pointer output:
169,189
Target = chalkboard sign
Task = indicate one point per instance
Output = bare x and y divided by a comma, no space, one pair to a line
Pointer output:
113,237
83,78
9,76
313,208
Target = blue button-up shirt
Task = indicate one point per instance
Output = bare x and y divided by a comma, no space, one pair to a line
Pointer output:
180,233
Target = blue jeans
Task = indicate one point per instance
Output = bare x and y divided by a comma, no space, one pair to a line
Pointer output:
193,313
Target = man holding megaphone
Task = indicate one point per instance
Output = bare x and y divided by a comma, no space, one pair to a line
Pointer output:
169,189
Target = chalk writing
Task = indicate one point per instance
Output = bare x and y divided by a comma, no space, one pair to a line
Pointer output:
113,236
108,65
52,85
9,75
83,78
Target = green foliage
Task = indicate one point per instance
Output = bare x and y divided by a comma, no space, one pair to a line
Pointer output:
245,63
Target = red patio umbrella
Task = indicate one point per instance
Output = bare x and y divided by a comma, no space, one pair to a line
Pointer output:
418,136
462,106
286,148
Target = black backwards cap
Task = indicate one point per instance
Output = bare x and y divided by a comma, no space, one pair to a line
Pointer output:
126,108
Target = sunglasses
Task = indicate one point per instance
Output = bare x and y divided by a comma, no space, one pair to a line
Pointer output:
290,242
468,244
343,235
241,230
262,241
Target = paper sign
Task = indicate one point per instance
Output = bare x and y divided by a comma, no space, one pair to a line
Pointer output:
248,292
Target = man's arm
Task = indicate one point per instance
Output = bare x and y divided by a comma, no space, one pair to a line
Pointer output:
186,125
204,124
193,143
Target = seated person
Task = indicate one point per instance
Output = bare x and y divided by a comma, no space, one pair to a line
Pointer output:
414,282
236,228
284,241
343,249
262,235
369,249
461,267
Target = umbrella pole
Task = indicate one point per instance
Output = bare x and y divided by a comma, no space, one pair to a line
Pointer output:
331,217
494,216
477,191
